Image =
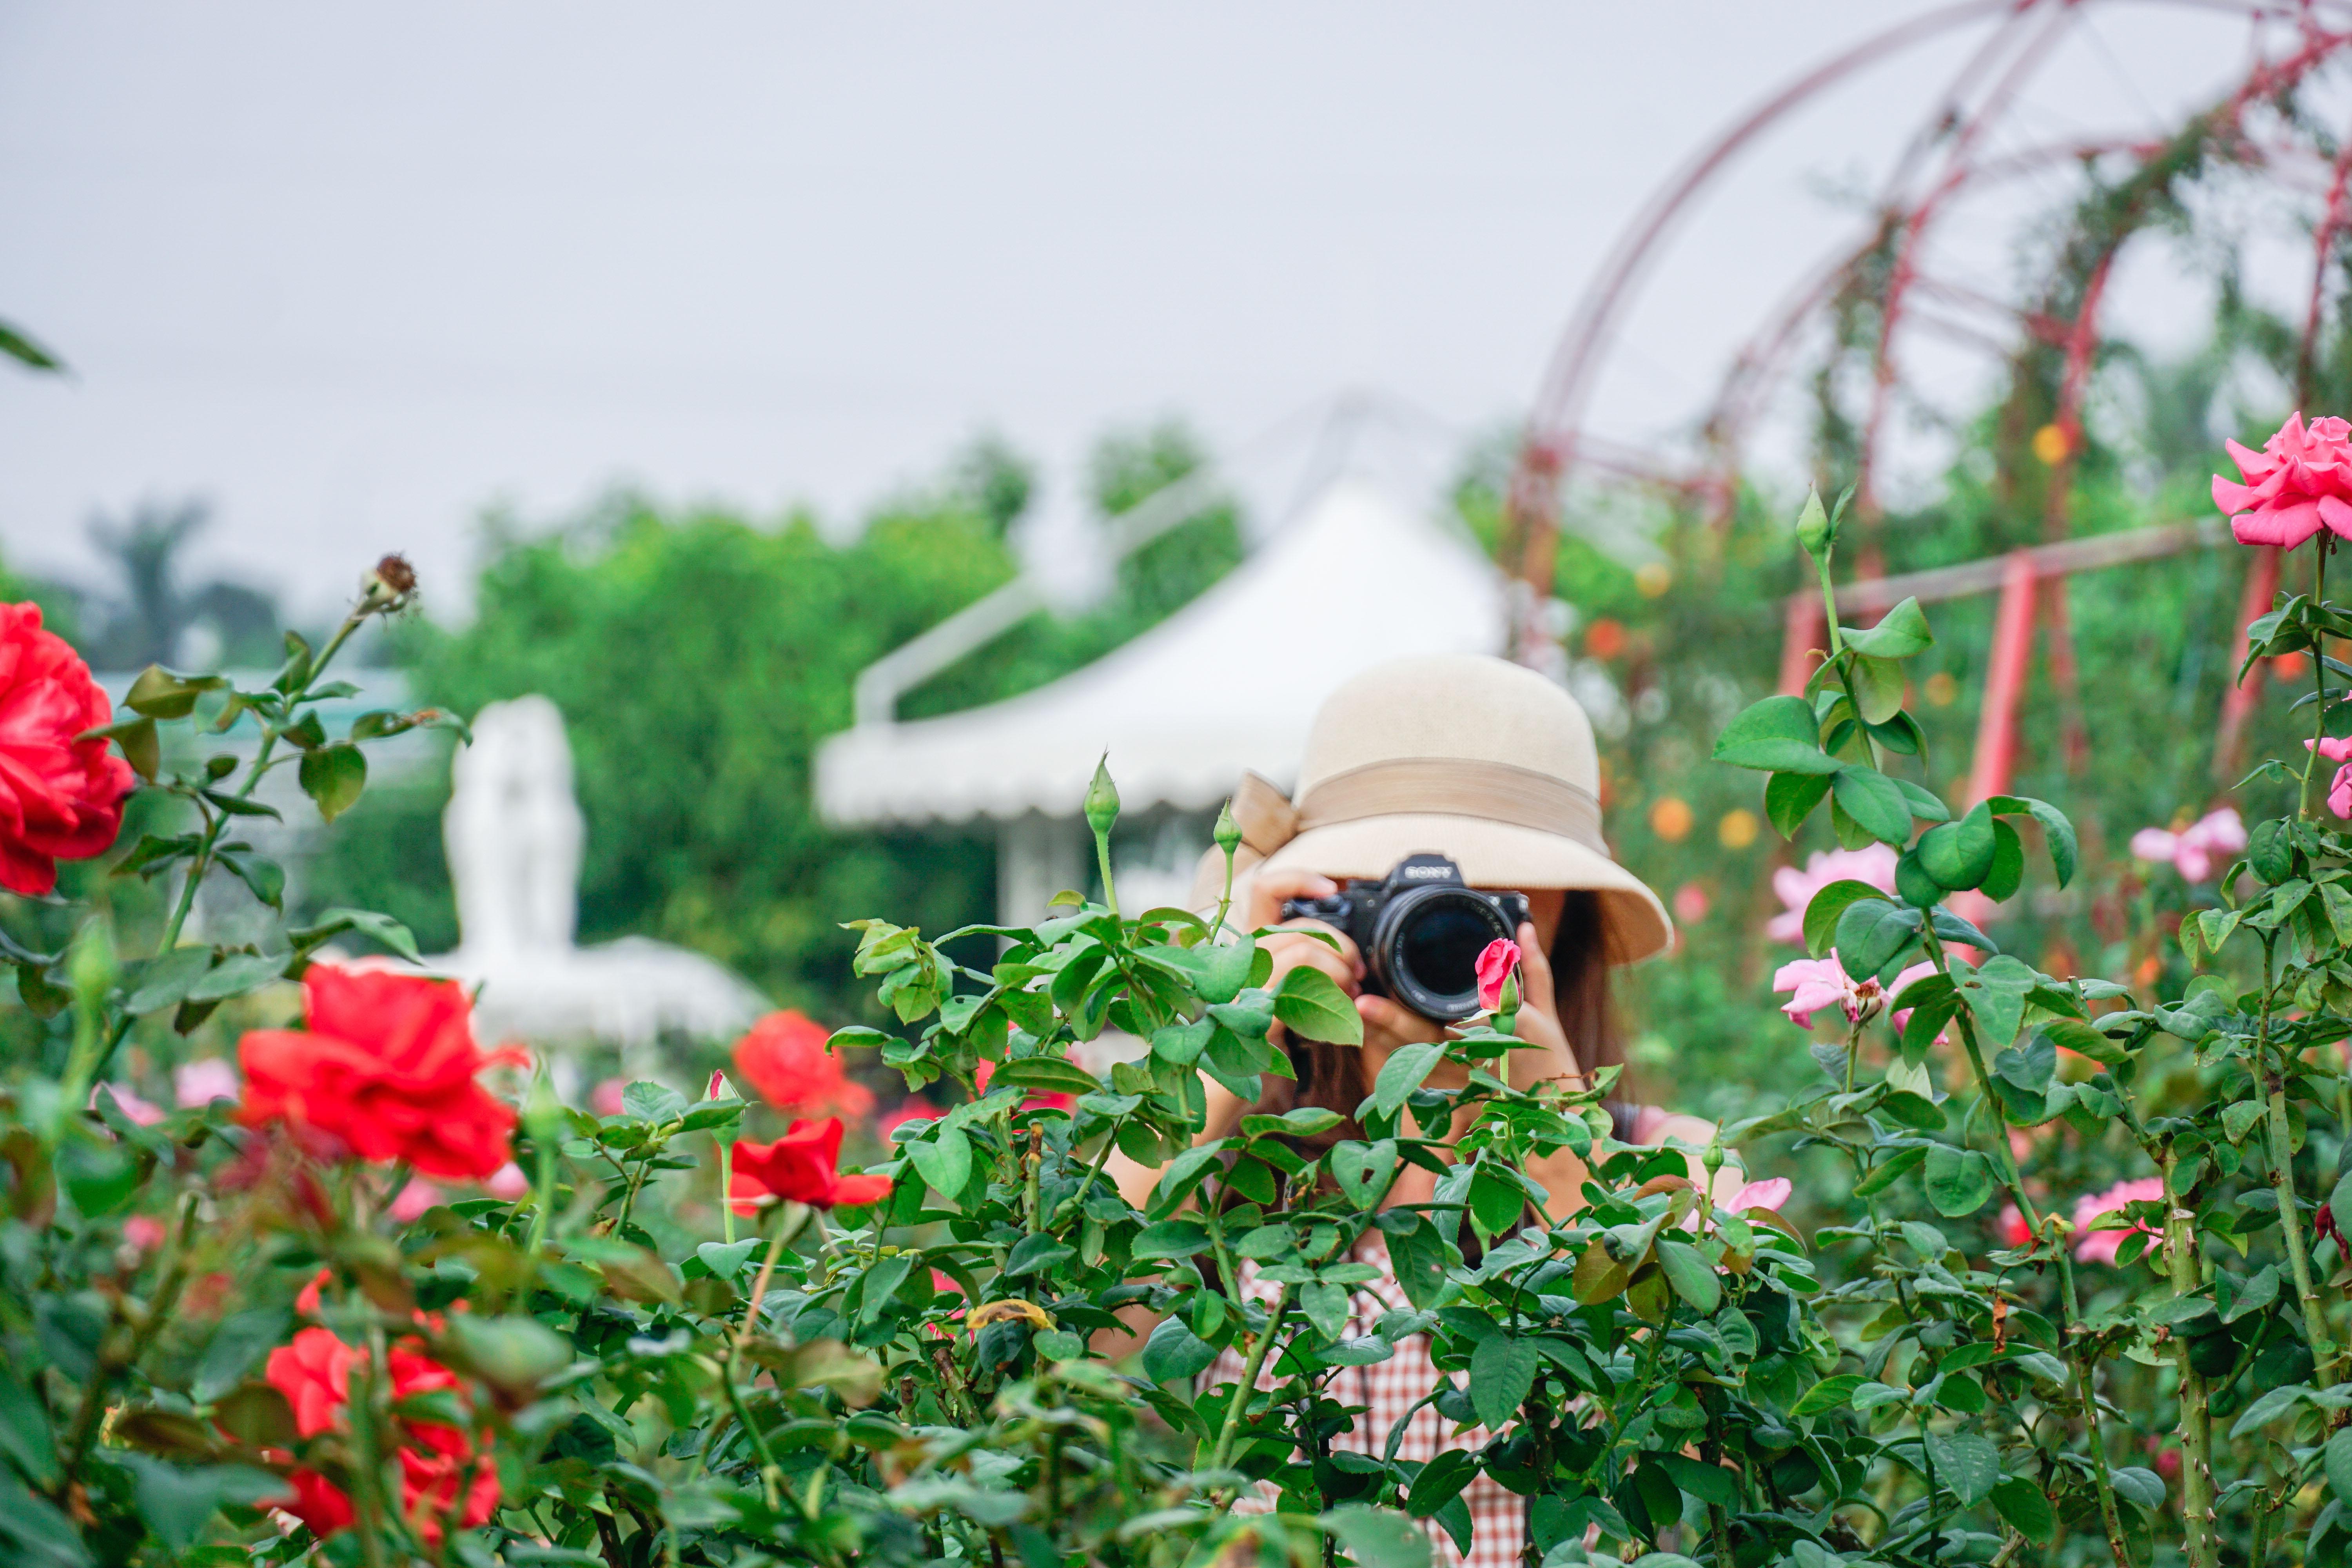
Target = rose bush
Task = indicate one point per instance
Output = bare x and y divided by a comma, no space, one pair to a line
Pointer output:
2073,1291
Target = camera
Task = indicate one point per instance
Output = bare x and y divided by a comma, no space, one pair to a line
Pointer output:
1420,930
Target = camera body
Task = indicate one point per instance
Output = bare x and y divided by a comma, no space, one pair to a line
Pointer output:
1421,930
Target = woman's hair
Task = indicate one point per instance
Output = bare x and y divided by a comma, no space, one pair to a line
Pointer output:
1333,1076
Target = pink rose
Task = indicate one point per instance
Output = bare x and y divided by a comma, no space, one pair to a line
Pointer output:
604,1100
2200,850
2101,1246
1496,967
1874,865
507,1182
144,1232
2298,483
414,1200
201,1082
133,1108
1766,1195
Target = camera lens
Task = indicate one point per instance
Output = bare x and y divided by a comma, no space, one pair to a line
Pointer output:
1429,951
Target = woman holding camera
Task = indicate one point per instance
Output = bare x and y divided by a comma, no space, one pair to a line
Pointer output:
1492,767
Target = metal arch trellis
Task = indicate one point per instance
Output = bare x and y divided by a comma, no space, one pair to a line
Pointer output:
2050,338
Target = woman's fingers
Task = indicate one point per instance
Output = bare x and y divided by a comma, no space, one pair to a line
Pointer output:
1390,1025
1292,949
1268,891
1535,972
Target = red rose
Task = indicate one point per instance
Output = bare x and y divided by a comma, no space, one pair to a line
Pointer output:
314,1373
440,1470
785,1059
387,1070
61,799
801,1167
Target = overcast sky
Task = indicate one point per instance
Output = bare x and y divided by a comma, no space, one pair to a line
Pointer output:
356,272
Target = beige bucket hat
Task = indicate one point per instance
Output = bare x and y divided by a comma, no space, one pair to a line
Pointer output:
1471,757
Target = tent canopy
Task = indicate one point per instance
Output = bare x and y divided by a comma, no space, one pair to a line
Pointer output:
1229,682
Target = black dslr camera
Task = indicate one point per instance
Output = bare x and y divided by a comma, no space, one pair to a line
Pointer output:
1421,931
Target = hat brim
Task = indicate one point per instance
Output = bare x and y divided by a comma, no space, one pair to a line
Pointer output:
1491,855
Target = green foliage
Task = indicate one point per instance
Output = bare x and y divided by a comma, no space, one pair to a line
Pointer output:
699,659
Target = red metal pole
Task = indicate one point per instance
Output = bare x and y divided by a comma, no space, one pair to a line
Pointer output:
1804,630
2012,639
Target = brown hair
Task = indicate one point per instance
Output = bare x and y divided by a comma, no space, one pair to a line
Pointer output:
1333,1076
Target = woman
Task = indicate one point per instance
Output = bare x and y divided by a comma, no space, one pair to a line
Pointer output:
1493,766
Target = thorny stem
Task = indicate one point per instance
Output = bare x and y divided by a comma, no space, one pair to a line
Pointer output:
217,823
2319,675
2290,1210
2196,1419
1224,1451
84,1430
2109,1518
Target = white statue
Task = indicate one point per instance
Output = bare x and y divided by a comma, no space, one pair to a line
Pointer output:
514,837
514,831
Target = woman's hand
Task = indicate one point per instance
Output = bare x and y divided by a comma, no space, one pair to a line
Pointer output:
1343,963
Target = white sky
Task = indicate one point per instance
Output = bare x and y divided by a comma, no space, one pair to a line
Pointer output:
356,272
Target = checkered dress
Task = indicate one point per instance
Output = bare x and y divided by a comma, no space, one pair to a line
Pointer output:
1387,1389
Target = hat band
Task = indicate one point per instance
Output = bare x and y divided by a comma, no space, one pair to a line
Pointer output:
1416,786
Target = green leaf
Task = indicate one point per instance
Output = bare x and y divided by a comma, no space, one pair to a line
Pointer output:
1403,1073
1958,1181
1692,1278
1377,1538
235,976
1502,1372
1830,1393
137,738
1959,854
1708,1483
1871,933
2021,1502
1046,1075
265,879
1789,798
1899,634
160,694
1174,1352
1306,1121
367,922
1779,735
1871,798
1217,973
654,1103
19,346
1310,1003
2137,1484
1181,1044
1364,1170
2338,1460
1441,1481
177,1501
1034,1254
1420,1256
1822,913
725,1258
1967,1463
1996,996
2008,873
164,982
2268,1408
333,777
1878,683
2056,830
1171,1238
1924,804
944,1159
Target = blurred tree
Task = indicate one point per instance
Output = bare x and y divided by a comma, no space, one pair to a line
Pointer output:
699,659
153,620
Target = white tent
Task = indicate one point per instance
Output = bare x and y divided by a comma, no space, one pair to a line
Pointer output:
1227,683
